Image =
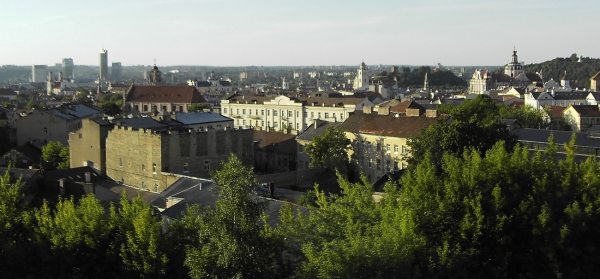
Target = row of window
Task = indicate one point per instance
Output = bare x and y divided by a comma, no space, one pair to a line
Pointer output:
164,108
377,164
185,167
261,123
283,113
369,146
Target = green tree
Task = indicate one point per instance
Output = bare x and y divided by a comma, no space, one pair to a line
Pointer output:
329,150
196,107
138,238
474,124
234,240
111,109
505,214
349,235
526,115
56,155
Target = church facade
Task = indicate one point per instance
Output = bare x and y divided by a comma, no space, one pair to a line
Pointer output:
514,76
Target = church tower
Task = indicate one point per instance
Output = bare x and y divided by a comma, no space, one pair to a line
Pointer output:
285,85
514,68
361,82
426,84
155,76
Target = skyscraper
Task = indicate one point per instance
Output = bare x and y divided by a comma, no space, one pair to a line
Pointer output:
38,73
104,64
67,68
115,71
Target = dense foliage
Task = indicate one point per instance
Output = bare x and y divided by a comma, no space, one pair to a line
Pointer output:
579,72
437,78
55,156
473,124
328,151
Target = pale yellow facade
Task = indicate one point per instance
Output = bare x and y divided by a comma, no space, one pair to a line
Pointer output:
374,155
283,113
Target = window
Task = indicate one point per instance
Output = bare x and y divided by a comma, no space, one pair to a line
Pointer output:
45,130
80,135
275,112
206,165
145,107
186,167
387,147
319,115
403,149
137,107
262,112
120,162
290,113
244,111
154,168
164,108
378,164
395,148
297,114
225,110
268,112
301,148
378,146
256,112
368,145
143,167
326,115
156,187
143,185
387,165
237,111
370,163
275,124
341,115
312,114
395,165
362,160
301,164
262,123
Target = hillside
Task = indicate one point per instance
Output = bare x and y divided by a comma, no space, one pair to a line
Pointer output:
579,72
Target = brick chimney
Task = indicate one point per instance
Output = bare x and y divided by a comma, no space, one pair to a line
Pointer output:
431,113
383,110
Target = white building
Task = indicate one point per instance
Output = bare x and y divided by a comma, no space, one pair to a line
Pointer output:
361,81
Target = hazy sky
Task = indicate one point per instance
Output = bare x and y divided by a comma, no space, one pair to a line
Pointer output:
309,32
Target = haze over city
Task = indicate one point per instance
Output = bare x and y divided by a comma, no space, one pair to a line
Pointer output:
281,33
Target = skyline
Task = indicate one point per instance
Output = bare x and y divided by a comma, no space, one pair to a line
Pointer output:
294,33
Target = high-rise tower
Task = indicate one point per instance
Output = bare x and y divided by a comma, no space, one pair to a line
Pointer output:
115,71
104,64
67,68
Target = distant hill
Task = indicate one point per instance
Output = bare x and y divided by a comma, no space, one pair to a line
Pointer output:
578,72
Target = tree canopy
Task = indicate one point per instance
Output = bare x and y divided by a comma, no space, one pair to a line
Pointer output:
56,156
329,150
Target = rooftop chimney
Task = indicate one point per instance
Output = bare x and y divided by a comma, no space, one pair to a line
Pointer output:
367,109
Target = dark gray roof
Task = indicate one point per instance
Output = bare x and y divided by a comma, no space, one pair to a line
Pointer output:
200,117
182,188
570,95
145,123
560,137
311,132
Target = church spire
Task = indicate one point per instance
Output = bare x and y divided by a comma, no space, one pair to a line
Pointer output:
426,83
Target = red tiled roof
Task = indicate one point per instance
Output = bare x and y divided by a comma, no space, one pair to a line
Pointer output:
388,125
401,107
164,94
556,111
